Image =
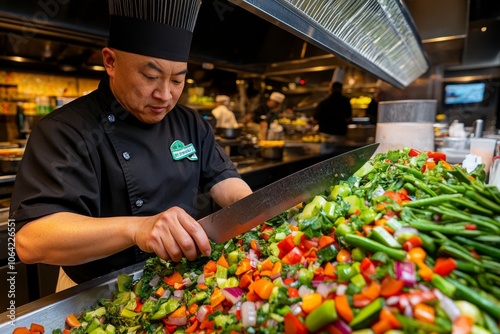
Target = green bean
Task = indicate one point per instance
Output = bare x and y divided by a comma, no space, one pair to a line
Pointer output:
486,219
490,283
491,266
479,247
429,226
459,254
472,296
460,275
468,267
482,200
436,200
374,246
458,188
445,187
419,184
491,324
489,239
472,205
410,170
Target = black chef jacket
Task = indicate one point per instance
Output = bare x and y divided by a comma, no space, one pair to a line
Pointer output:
93,158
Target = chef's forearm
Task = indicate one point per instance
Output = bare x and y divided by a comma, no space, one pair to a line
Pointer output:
229,191
72,239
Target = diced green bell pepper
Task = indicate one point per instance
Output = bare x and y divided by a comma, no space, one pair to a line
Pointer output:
327,253
166,308
312,208
341,190
367,314
321,316
354,203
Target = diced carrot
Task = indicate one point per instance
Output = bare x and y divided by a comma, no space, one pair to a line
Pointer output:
325,240
180,312
193,328
172,279
34,327
381,326
424,312
462,324
202,286
243,266
72,321
159,291
193,308
262,288
207,324
267,264
255,245
277,268
380,222
246,279
311,302
344,310
372,291
252,296
216,297
210,268
359,300
266,273
222,261
21,330
390,286
386,314
329,270
293,228
343,255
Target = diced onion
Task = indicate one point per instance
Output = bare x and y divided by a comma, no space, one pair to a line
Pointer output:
154,281
448,305
406,272
201,279
166,294
202,312
178,294
342,327
305,290
177,321
233,294
324,289
248,314
341,289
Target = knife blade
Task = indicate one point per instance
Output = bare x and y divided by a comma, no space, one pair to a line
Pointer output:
283,194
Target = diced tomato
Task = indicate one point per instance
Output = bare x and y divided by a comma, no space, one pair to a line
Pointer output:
470,227
286,245
414,153
436,156
293,257
308,243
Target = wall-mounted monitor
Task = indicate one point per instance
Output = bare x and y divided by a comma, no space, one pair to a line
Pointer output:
464,93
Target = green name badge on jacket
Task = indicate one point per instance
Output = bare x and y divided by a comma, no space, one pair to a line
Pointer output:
180,151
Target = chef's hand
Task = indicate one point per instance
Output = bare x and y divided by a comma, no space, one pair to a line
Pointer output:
173,234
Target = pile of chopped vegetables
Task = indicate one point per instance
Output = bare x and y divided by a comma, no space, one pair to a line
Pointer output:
408,244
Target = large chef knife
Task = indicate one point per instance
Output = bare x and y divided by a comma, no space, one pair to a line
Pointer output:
279,196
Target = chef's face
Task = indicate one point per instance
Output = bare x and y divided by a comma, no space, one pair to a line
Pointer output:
147,87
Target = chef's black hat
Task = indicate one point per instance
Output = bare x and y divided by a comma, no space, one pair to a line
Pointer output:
156,28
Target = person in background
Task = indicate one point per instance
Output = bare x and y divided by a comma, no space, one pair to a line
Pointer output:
266,113
334,113
372,110
224,116
112,178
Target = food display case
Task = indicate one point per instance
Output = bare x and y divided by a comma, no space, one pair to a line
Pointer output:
51,311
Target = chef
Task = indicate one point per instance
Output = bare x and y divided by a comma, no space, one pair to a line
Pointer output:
112,177
267,113
224,116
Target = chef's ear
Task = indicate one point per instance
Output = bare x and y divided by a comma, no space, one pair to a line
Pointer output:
109,57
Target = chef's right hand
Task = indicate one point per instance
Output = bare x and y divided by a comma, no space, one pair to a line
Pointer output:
173,234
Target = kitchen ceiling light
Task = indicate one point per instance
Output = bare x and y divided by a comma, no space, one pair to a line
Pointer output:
376,35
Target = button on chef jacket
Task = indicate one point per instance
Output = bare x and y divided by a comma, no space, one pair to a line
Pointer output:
93,158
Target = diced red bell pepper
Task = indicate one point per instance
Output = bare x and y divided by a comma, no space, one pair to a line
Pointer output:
293,325
444,266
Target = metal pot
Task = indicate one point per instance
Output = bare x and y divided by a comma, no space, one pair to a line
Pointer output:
228,133
9,165
272,153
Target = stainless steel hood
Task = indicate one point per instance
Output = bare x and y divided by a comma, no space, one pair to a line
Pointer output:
377,35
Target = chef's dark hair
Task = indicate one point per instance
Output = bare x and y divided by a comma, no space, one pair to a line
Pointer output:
156,28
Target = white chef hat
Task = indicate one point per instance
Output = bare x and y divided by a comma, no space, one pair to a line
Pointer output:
156,28
277,97
222,98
